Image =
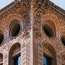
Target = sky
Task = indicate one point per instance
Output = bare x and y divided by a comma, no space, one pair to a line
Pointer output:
60,3
4,3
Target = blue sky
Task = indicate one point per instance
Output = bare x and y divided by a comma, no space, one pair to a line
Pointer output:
60,3
4,3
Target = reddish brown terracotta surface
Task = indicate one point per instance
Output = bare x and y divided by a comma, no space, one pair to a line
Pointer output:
32,15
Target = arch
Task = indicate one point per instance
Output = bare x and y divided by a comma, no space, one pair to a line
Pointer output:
49,28
53,23
1,59
14,28
50,48
1,36
15,54
49,54
62,56
63,40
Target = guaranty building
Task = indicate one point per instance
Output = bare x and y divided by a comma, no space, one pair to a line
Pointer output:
32,32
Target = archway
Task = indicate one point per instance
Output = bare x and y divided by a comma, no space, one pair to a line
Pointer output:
1,36
49,55
15,55
49,28
14,28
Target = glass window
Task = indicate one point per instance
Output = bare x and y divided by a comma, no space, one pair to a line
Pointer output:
15,55
17,60
47,60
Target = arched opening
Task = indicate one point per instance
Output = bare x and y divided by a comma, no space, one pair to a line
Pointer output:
63,40
1,59
15,55
49,55
1,38
14,28
48,30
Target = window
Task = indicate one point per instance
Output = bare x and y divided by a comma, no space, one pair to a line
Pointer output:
14,28
63,40
1,37
15,55
17,59
47,60
49,55
48,30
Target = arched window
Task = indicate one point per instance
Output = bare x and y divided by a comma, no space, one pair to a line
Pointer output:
1,59
15,55
1,37
48,30
63,40
49,55
47,60
14,28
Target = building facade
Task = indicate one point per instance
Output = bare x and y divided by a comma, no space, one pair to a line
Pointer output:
32,32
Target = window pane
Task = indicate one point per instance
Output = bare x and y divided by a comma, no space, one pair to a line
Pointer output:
17,60
47,60
44,61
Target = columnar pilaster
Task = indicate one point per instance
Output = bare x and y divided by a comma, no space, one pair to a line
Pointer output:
36,11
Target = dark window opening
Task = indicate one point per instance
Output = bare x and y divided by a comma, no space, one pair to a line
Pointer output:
1,37
47,60
14,28
1,64
17,59
48,30
63,40
15,54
